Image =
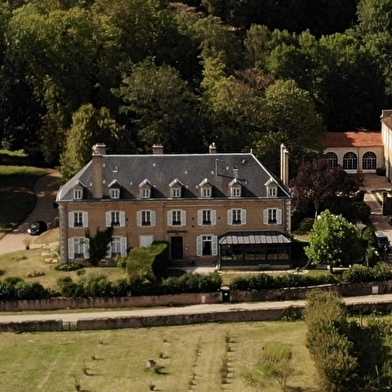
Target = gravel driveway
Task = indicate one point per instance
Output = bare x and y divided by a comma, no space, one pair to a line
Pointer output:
46,189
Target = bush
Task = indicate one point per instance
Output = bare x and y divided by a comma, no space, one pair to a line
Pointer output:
14,288
363,274
265,281
68,267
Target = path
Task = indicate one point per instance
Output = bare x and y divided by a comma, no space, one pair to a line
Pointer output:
45,189
193,309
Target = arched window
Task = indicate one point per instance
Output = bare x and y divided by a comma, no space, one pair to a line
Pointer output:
332,159
350,161
369,161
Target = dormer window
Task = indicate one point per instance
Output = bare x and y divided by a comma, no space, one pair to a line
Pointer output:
272,188
78,191
205,188
176,188
114,190
235,188
145,189
78,194
114,193
272,191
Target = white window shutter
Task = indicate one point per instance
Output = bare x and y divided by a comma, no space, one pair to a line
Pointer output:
229,217
122,218
123,246
183,218
109,250
265,216
200,217
153,218
71,248
70,219
85,218
169,218
86,248
278,216
139,218
199,245
213,217
108,218
214,245
243,217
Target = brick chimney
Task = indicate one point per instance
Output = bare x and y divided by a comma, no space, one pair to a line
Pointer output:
212,148
157,149
97,169
284,165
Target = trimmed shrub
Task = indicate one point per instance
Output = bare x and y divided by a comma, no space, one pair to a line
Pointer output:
265,281
363,274
14,288
68,267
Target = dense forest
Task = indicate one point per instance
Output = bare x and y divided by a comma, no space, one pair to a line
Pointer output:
245,74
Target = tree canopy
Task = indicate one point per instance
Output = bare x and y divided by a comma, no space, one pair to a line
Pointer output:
333,241
188,74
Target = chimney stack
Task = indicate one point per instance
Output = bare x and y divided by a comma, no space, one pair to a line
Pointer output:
235,171
284,165
157,149
212,148
97,170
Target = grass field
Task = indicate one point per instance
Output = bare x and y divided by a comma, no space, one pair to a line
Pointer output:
190,358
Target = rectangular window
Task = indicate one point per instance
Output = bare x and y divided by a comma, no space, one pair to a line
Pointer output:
146,218
78,248
206,192
176,192
236,191
272,191
272,216
206,217
114,193
236,217
207,245
115,218
176,218
118,246
78,194
78,219
146,193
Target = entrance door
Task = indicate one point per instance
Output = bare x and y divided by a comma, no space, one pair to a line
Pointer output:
176,248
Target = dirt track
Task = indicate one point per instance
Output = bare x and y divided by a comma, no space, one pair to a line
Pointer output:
46,189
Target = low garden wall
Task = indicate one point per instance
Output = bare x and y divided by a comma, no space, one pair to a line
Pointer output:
284,294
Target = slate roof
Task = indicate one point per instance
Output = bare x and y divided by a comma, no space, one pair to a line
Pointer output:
352,139
189,169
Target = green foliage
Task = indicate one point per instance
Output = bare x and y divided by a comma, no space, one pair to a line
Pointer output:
363,274
98,245
13,288
265,281
68,267
333,241
276,363
147,262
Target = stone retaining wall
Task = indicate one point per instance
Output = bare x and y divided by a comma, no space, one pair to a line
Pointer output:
285,294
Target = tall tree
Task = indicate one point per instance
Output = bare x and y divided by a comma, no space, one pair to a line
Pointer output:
316,181
164,107
333,241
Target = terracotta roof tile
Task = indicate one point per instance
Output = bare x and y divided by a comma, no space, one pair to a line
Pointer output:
352,139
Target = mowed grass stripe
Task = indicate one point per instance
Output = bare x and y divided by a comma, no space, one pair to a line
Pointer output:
116,360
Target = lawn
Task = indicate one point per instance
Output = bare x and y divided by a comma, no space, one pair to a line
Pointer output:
17,197
188,358
30,262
